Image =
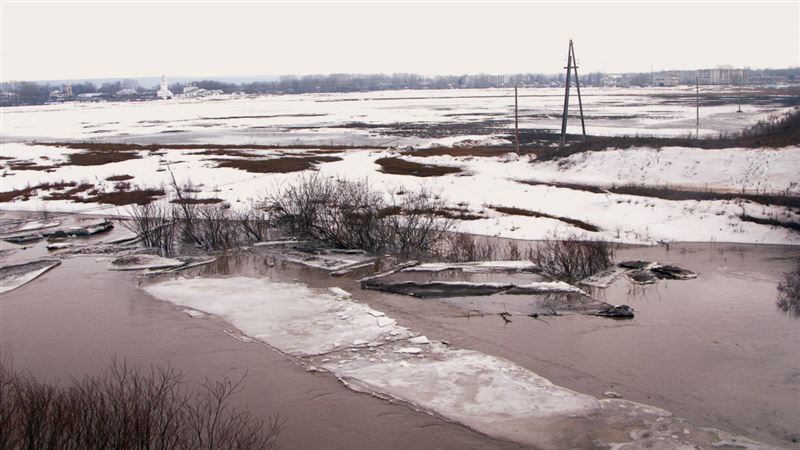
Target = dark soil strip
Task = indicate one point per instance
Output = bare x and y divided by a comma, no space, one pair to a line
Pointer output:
397,166
676,194
772,222
120,178
197,201
482,151
528,213
575,187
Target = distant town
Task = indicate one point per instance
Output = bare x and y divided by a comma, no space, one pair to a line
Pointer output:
14,93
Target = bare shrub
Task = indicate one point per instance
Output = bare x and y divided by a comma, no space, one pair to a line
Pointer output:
789,293
462,247
416,221
212,227
296,207
572,258
254,222
351,214
155,224
127,408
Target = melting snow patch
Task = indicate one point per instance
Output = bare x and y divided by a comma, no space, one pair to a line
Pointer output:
420,340
409,350
141,262
339,292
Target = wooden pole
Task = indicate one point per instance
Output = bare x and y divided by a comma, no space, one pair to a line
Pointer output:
697,101
741,75
566,97
516,119
578,87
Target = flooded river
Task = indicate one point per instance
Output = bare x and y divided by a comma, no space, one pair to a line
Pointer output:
715,350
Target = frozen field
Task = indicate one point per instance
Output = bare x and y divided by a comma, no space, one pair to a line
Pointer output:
195,134
382,118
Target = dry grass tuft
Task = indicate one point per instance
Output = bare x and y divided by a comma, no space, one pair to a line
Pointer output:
398,166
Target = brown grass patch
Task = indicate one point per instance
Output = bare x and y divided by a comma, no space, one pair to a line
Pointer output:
132,197
99,158
30,191
69,194
510,210
29,165
397,166
119,178
276,165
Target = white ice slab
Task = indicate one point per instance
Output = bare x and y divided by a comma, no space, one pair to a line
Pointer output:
476,267
17,275
291,317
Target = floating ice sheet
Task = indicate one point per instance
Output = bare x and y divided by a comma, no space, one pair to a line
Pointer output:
17,275
291,317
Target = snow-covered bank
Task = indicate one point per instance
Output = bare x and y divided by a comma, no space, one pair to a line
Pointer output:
721,170
491,181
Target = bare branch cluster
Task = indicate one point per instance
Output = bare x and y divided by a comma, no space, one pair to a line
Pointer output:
351,214
125,407
572,258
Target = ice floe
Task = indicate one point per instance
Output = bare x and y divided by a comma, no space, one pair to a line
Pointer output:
17,275
476,267
291,317
141,262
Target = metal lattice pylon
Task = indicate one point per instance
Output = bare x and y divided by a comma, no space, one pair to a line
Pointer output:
572,66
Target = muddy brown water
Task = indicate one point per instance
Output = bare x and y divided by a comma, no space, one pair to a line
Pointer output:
715,350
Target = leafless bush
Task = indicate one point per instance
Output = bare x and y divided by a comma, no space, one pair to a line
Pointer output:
351,214
126,408
254,222
572,258
212,227
789,293
416,221
155,224
463,247
297,206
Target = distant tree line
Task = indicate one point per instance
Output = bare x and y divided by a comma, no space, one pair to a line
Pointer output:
24,92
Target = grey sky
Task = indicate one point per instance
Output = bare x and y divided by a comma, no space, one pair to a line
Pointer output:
62,40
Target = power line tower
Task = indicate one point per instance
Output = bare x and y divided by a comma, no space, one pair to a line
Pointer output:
572,66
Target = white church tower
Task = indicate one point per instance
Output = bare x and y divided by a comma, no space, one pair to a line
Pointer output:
164,91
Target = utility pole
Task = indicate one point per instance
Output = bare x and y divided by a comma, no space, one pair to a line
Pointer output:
741,75
571,65
697,102
516,119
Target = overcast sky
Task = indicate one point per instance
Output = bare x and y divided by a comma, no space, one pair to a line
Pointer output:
72,40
